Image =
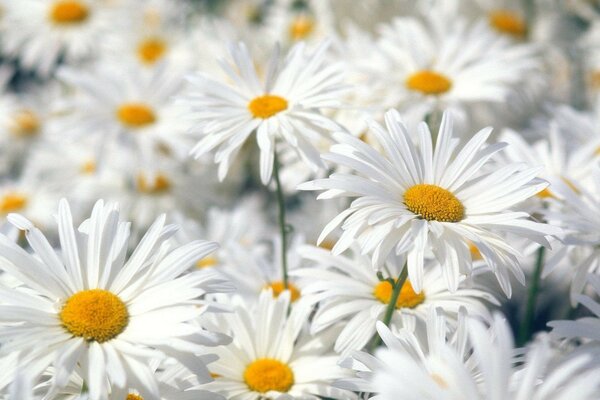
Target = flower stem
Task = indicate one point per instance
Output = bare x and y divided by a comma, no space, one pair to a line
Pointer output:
391,307
527,322
283,227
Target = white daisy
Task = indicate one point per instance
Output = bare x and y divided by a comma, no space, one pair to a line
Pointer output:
127,105
348,289
413,199
41,32
273,356
285,106
92,306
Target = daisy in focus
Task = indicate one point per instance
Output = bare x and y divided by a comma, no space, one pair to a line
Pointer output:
348,289
41,32
93,307
419,199
283,105
272,355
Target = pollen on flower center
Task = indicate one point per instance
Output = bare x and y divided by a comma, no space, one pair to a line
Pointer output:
151,50
301,27
266,374
434,203
25,123
68,12
95,315
12,202
266,106
278,287
135,115
407,298
509,22
429,82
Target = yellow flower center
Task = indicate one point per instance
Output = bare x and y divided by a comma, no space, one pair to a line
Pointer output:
266,106
439,381
160,185
278,287
132,396
266,374
151,50
95,315
547,193
12,202
25,123
434,203
475,253
207,262
88,167
429,82
301,27
135,115
594,80
407,298
69,12
508,22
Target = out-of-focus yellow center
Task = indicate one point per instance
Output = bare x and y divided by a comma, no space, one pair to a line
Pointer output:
266,374
161,184
547,193
327,244
207,262
69,12
12,202
266,106
301,27
151,50
132,396
429,82
508,22
439,381
434,203
25,123
475,253
278,287
407,298
95,315
88,167
136,115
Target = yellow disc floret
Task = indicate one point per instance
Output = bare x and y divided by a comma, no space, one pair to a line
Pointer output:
508,22
301,27
132,396
266,374
69,12
434,203
136,115
429,82
95,315
151,50
278,287
25,123
12,202
407,298
266,106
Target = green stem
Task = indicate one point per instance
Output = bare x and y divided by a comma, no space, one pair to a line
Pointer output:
391,307
527,322
283,228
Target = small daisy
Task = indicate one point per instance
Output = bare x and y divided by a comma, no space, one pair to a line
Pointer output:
128,105
285,106
92,306
41,32
272,355
348,289
414,199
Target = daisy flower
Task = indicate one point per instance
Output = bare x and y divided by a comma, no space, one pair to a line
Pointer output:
415,199
348,290
272,356
92,307
443,62
127,105
284,107
41,32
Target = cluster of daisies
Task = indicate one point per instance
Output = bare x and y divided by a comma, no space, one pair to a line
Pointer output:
299,199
